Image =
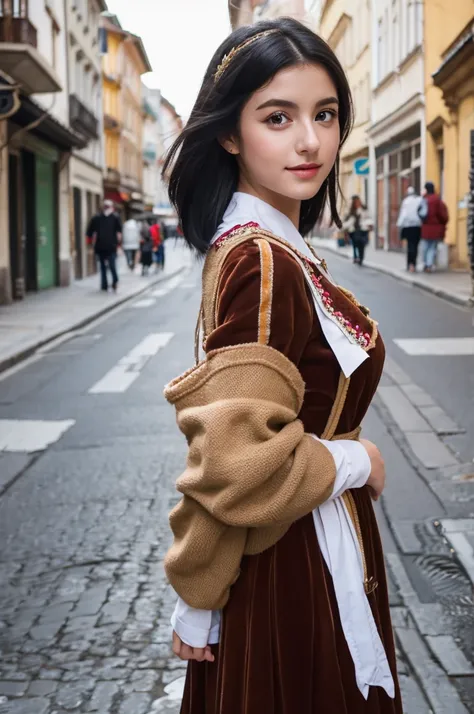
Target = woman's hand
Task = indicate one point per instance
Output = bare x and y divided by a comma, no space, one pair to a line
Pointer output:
376,480
186,652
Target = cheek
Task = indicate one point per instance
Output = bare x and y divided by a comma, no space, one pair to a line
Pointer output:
260,144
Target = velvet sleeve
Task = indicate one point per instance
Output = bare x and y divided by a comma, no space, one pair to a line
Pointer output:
239,294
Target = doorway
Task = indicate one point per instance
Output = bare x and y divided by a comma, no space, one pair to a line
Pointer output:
45,223
77,207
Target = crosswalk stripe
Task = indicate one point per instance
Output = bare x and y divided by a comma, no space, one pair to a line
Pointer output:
29,435
127,370
146,302
437,347
170,285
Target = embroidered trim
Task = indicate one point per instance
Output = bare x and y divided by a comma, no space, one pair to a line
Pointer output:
234,232
362,338
353,332
266,291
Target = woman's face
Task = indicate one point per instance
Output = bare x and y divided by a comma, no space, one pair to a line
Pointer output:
289,137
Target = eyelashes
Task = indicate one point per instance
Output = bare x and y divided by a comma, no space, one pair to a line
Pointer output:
280,119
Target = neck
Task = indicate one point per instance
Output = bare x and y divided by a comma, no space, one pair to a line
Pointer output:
290,207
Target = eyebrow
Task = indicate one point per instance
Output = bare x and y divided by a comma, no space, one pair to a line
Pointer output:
291,105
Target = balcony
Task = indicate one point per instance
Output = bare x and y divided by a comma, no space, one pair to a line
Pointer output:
112,124
20,59
112,177
82,119
18,30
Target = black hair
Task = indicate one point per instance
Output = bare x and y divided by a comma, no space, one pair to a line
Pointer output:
429,186
353,209
203,174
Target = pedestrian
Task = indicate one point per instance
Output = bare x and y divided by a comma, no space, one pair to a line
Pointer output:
105,232
146,248
277,558
358,224
157,236
409,222
435,217
131,241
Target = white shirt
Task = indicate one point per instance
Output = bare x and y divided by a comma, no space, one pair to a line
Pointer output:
131,234
334,529
409,216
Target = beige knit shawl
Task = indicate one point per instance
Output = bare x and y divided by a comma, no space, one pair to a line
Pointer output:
251,469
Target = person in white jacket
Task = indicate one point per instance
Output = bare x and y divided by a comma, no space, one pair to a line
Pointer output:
358,223
131,241
409,221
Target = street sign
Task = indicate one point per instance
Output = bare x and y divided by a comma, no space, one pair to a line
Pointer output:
361,167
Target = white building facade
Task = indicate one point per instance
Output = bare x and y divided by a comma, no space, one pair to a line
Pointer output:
153,148
86,118
34,181
397,126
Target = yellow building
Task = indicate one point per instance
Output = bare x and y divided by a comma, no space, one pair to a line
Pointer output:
345,25
123,64
449,91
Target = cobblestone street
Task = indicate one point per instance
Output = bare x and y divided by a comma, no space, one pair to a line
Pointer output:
89,453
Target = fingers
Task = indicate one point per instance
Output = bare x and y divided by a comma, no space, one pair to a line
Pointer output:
185,652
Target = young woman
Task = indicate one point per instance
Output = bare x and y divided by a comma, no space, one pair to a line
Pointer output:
358,224
276,559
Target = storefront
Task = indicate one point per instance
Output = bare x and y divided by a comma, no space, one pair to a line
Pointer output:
449,139
37,177
398,165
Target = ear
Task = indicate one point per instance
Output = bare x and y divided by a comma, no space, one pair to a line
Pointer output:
230,145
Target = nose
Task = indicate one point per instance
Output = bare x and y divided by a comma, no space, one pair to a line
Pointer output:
308,140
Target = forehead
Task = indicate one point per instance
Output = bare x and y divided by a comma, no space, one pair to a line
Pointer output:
307,83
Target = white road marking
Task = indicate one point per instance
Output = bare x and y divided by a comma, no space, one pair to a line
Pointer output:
437,347
31,435
146,302
123,374
170,285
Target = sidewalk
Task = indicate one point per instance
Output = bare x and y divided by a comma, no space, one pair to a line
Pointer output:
41,317
454,286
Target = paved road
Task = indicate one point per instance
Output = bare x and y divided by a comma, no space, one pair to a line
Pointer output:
90,450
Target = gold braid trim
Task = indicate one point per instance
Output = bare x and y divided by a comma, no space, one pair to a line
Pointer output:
227,59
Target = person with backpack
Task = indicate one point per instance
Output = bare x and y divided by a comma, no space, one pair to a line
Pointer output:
158,248
409,222
146,248
358,223
434,214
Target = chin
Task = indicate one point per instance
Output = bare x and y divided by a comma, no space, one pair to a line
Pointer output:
303,192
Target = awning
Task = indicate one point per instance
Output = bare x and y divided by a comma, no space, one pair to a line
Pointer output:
50,129
113,196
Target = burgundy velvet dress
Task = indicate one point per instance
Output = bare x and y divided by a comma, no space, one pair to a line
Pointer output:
282,649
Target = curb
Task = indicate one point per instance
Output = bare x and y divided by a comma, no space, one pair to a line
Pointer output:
23,354
432,289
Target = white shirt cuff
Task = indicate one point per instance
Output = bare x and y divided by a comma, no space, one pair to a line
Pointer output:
196,628
353,465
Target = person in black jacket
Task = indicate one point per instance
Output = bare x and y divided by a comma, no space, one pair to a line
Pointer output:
105,230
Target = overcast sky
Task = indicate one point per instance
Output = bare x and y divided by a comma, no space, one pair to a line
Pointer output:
180,37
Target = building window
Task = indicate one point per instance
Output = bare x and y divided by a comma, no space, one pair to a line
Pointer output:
395,35
78,76
381,50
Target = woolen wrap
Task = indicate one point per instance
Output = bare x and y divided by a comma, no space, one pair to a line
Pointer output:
251,469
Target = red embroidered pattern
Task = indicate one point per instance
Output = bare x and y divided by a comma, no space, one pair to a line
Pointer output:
221,239
362,338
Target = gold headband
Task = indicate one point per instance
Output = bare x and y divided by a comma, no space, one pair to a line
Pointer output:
227,59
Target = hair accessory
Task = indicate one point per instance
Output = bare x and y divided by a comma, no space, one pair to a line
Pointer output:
227,59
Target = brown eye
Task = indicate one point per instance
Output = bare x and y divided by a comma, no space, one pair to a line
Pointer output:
277,119
326,116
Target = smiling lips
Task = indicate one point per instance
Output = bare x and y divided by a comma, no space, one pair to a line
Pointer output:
305,171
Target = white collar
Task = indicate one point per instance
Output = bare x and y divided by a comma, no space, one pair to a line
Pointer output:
244,208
